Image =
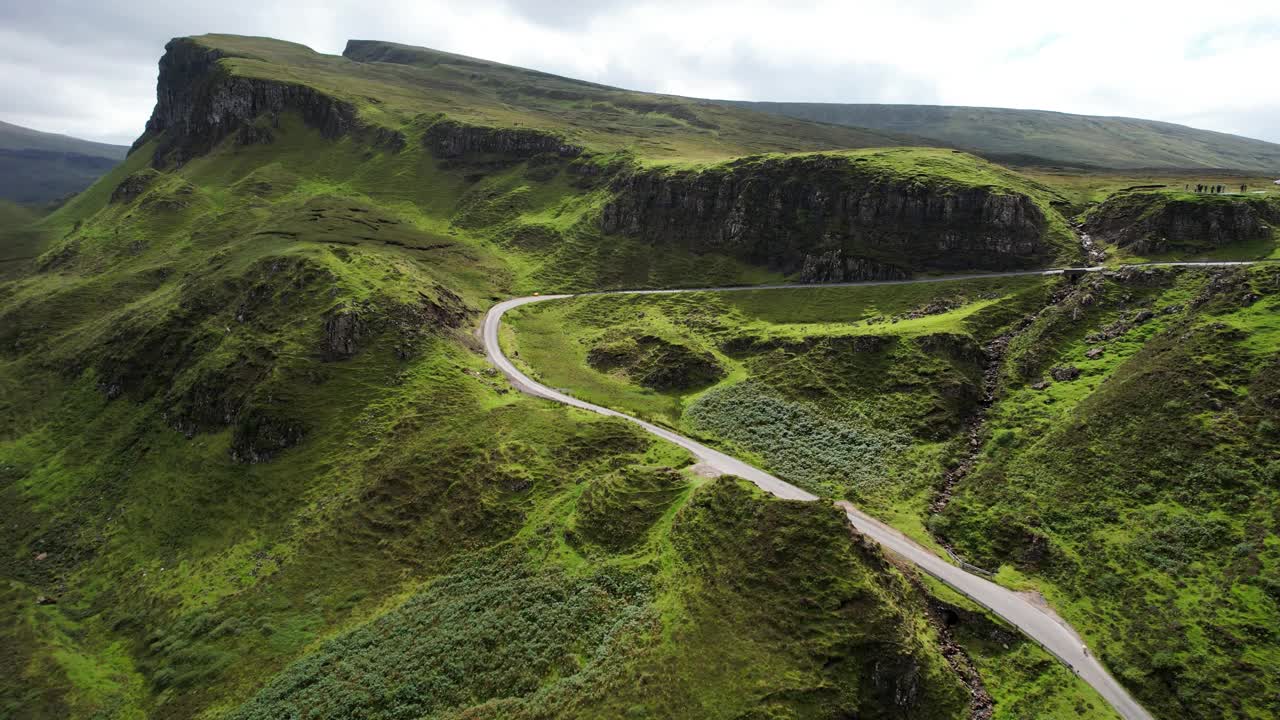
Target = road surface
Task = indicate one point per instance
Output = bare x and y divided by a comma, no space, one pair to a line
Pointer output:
1051,633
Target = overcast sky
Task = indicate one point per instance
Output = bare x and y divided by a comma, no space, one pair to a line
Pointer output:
89,70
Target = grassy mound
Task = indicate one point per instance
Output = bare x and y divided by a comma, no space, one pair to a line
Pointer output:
770,599
652,362
617,511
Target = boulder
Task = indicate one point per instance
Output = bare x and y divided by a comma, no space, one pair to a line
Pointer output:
1065,373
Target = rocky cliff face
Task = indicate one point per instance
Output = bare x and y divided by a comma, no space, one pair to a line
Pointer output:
199,103
827,218
451,139
1159,222
833,266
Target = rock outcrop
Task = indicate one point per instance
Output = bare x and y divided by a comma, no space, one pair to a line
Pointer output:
133,186
199,103
1161,222
834,267
451,139
829,217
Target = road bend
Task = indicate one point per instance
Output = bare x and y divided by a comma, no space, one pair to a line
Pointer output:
1051,632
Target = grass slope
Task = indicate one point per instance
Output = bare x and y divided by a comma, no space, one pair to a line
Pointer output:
1035,137
391,84
850,392
254,464
1126,469
1141,495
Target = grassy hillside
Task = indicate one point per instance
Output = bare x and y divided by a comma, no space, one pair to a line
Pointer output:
880,378
38,167
392,84
254,464
1124,465
20,240
1036,137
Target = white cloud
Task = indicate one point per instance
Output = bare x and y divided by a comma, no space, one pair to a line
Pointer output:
82,68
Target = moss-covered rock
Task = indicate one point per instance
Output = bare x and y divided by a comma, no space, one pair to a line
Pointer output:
1160,222
656,363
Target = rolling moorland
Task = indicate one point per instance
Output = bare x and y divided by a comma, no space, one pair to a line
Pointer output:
253,463
37,168
1038,137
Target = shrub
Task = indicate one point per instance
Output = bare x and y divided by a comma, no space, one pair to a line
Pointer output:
822,454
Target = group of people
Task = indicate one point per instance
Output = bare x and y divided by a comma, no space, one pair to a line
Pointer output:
1214,189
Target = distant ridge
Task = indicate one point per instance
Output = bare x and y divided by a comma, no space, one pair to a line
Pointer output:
38,167
1044,137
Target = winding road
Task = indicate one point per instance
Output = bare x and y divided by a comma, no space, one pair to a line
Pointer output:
1049,631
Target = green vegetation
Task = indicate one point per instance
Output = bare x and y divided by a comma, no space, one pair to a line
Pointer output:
1188,225
710,622
801,445
852,392
38,168
1126,467
1140,496
1038,137
861,388
253,463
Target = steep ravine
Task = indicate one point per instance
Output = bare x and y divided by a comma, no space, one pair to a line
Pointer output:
976,425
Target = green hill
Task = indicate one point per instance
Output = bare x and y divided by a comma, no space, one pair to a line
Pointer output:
1112,443
254,464
1039,137
38,167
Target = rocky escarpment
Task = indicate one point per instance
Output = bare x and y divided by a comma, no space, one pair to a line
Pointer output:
834,266
1163,222
199,103
829,218
451,139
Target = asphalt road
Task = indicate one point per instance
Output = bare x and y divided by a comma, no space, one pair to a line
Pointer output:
1050,632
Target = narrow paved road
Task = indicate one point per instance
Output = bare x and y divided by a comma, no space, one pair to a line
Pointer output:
1051,633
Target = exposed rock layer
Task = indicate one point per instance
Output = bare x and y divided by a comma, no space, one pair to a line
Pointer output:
1159,222
829,215
199,103
451,139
